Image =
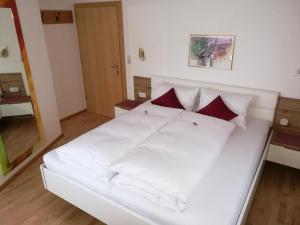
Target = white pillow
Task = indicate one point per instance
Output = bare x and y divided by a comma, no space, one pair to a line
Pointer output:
238,103
186,95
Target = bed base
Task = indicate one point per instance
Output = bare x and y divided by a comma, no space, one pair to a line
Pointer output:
113,213
89,201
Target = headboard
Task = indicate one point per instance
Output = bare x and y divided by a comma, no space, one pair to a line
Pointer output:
264,102
263,105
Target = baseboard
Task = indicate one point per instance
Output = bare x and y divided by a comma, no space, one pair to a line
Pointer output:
73,114
34,158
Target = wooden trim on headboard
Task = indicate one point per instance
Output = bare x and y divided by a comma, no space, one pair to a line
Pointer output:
9,80
288,108
142,85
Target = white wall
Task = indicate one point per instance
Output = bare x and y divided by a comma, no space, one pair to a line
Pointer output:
266,51
267,32
64,56
35,43
64,59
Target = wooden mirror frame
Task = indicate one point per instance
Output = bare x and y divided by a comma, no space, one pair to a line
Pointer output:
13,6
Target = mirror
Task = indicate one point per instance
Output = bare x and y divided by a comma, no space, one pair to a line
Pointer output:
20,127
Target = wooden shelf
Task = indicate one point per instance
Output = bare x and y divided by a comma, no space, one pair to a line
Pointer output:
15,100
285,138
128,104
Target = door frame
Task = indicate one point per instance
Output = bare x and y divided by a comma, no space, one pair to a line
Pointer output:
118,5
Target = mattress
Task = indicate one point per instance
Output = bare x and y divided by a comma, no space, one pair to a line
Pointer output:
217,199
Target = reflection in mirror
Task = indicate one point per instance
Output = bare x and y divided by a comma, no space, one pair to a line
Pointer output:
19,127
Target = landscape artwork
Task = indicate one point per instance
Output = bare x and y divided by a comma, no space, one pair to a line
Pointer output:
211,51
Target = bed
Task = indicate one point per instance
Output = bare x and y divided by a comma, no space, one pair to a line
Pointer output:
222,197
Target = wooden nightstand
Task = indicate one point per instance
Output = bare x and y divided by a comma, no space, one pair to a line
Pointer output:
285,148
125,106
285,142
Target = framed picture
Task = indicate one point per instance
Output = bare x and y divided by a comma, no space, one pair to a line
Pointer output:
211,51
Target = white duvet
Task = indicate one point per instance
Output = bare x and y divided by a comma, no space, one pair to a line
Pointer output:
169,164
96,150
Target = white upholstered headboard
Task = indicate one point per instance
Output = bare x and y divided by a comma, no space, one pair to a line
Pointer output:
263,105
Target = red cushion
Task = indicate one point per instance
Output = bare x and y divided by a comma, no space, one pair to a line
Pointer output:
169,99
217,108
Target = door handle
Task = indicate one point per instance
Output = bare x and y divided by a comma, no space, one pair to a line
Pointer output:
116,67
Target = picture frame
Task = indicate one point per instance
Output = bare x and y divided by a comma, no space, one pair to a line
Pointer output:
211,51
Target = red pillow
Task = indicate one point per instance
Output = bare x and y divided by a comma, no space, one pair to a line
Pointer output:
169,99
218,109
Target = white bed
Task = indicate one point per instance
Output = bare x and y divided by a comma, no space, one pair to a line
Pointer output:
222,197
219,197
94,151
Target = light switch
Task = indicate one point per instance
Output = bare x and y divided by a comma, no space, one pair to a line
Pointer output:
142,94
14,89
284,122
129,59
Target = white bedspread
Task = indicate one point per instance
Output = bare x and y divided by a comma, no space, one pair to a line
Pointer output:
228,181
168,165
94,151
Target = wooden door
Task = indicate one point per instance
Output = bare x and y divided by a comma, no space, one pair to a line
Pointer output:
100,35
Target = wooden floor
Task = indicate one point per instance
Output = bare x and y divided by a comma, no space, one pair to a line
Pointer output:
277,199
19,135
25,202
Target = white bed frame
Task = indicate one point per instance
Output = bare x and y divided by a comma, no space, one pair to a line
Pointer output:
112,213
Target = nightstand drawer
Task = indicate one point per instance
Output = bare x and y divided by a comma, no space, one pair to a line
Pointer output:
119,111
284,156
